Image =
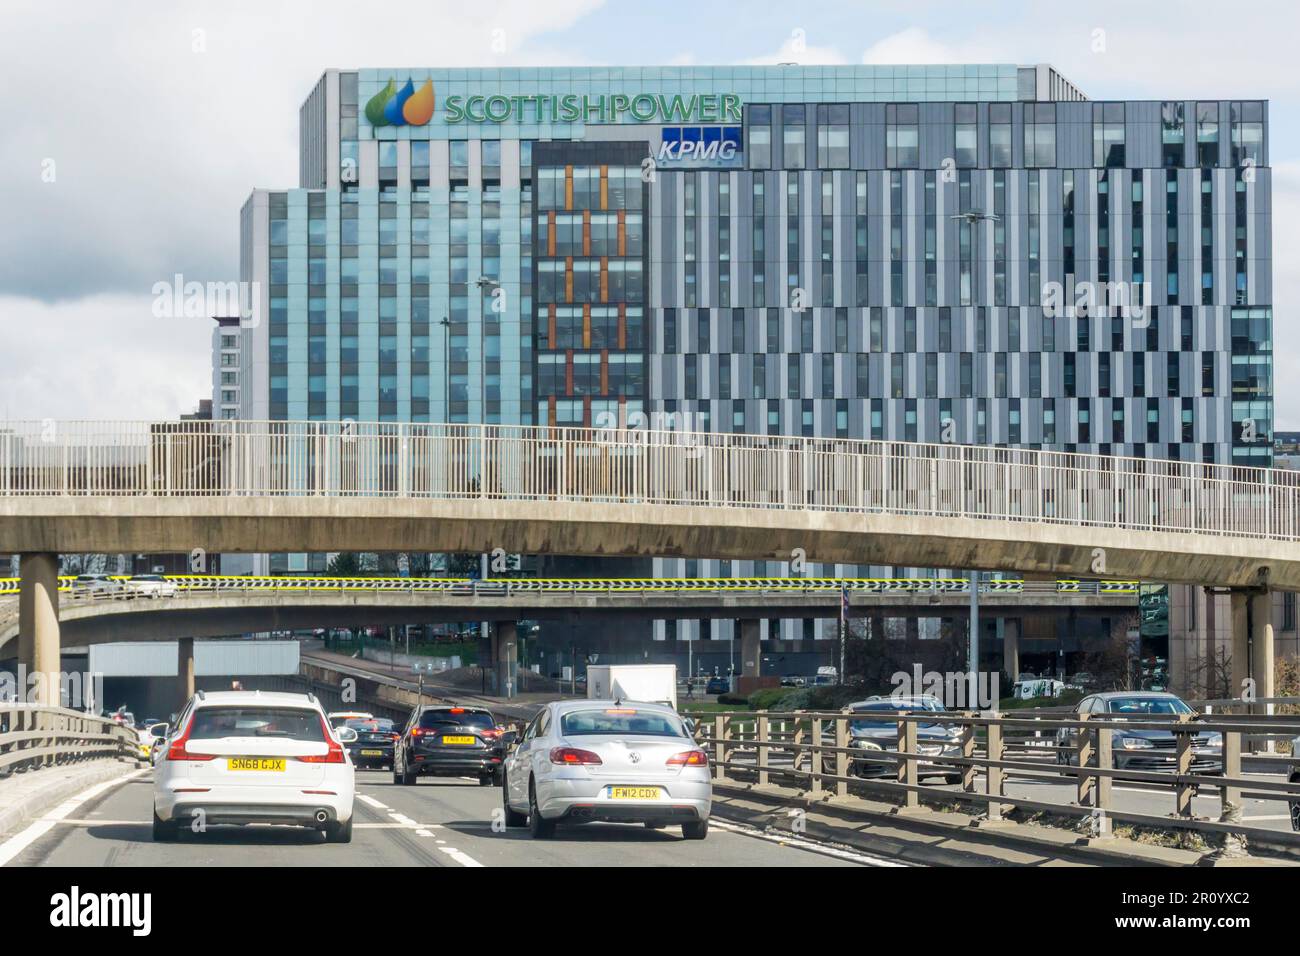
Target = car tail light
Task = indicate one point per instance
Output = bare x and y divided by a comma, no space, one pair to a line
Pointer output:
395,736
689,758
177,749
333,755
572,756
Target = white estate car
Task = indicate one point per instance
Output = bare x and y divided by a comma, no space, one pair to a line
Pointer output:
150,585
241,757
588,760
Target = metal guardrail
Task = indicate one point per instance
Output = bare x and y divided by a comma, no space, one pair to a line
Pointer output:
119,589
34,736
814,750
530,463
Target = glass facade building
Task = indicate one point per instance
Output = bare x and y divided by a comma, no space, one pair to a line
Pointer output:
975,254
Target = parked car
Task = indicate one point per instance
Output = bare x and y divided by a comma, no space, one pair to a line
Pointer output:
875,733
1139,748
150,585
242,757
612,761
792,681
717,685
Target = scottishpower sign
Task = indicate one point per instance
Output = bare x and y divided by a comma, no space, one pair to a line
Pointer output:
407,105
594,108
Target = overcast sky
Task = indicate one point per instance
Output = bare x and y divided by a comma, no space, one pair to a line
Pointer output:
134,131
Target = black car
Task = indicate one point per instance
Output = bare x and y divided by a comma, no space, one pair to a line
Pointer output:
374,744
447,741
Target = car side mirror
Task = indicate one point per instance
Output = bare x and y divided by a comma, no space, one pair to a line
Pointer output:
347,735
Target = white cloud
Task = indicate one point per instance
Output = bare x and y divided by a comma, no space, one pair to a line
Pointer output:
914,45
797,49
101,357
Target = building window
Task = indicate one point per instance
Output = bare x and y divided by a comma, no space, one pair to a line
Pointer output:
833,136
793,136
1108,134
1173,135
902,136
759,150
1040,134
965,134
999,135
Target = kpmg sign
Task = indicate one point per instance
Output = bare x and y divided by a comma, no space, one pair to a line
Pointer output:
700,146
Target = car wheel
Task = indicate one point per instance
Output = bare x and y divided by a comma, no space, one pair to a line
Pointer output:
538,826
410,777
398,779
650,825
486,779
164,831
696,830
952,778
514,819
339,832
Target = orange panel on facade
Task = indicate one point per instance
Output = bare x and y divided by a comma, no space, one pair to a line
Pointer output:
586,326
604,371
622,232
550,234
622,325
568,278
586,232
604,187
551,327
604,278
568,371
568,187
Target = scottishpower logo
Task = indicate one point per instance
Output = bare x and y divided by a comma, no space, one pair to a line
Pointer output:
405,107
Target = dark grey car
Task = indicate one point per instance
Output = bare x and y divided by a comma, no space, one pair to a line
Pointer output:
875,733
1150,749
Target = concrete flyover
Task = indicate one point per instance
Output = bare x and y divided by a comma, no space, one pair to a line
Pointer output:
319,486
209,606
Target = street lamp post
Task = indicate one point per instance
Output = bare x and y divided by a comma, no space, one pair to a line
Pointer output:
485,284
446,372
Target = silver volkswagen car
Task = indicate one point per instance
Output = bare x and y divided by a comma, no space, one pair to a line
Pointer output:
607,760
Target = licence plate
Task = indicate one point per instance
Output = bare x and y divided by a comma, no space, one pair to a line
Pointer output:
634,793
460,741
372,753
273,764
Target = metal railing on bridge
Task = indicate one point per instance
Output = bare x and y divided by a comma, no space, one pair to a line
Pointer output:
33,736
818,752
534,463
119,586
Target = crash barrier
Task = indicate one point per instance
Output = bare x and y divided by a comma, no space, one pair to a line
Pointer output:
33,736
820,753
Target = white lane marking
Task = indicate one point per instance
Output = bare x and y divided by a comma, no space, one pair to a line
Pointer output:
402,818
1270,817
365,798
464,859
804,844
25,838
423,832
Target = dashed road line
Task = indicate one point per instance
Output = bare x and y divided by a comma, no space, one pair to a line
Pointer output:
804,844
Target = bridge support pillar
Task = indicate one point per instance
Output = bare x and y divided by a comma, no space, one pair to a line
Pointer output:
1239,601
184,670
505,651
39,646
1011,649
1261,642
751,647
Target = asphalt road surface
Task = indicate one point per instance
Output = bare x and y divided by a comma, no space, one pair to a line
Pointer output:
438,822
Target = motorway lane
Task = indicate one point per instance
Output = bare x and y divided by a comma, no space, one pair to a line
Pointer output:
438,822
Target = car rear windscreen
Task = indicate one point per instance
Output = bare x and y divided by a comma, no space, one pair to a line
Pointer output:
446,718
620,721
367,725
289,723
